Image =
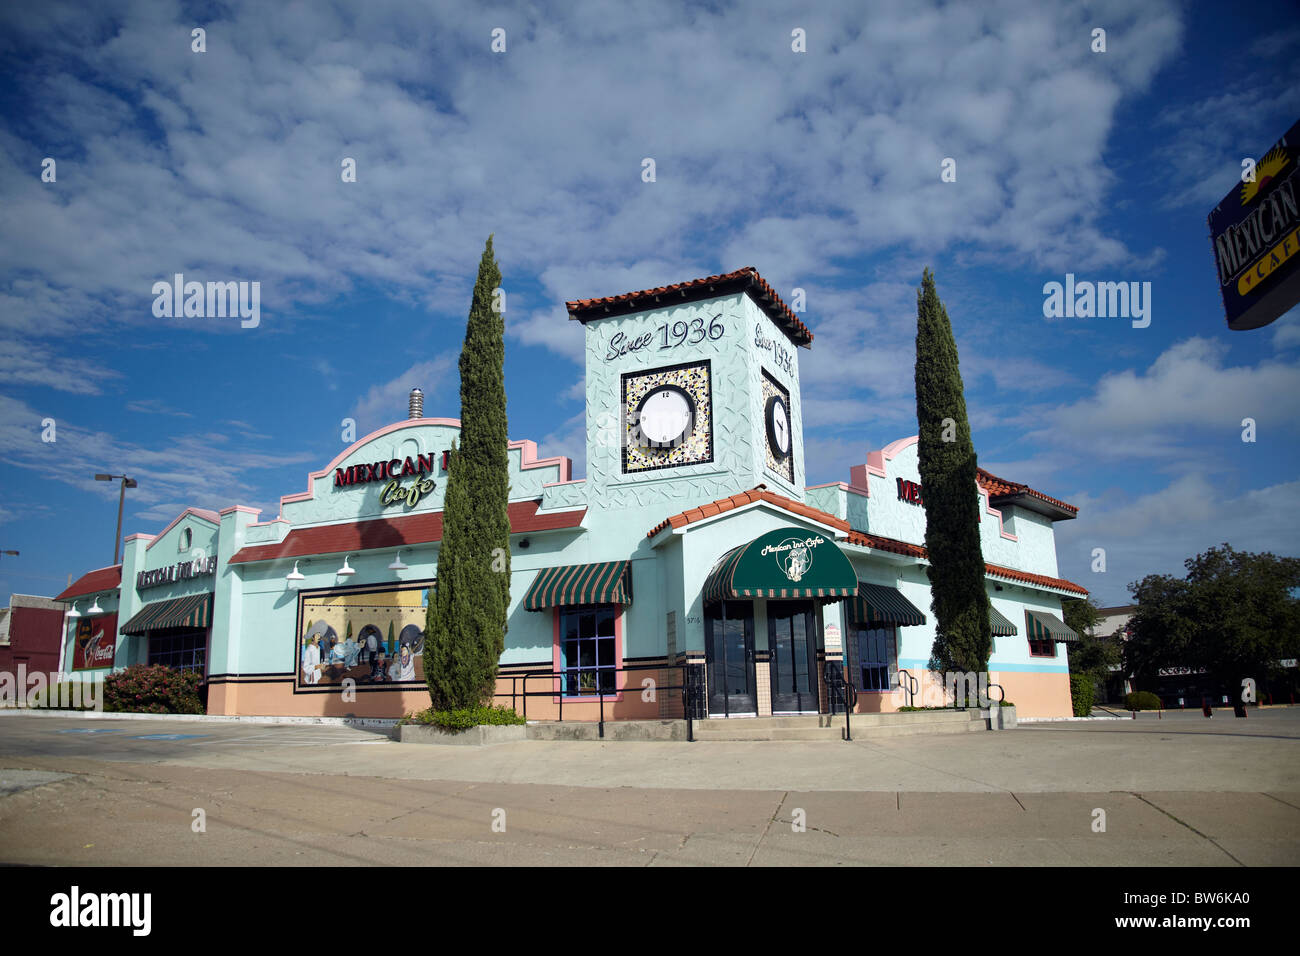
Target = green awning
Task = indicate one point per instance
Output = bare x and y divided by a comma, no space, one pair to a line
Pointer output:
193,610
609,582
1047,627
1002,627
786,563
877,604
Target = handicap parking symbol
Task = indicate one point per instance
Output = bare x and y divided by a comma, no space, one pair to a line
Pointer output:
90,730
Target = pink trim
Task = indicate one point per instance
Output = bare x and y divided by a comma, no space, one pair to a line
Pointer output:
570,481
989,509
244,509
527,458
209,516
876,463
132,537
263,524
558,688
843,486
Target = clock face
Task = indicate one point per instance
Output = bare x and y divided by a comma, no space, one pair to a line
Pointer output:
666,417
778,426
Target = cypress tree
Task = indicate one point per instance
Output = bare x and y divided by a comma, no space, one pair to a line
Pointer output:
963,636
466,621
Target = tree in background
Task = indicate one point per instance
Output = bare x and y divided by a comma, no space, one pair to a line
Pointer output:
963,636
465,625
1233,615
1095,653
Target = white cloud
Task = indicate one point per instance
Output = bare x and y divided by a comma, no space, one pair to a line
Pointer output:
389,402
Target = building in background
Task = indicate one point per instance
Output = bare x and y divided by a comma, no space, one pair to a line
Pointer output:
30,628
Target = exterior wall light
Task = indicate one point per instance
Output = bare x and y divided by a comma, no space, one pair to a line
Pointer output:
397,564
95,608
74,612
295,574
346,571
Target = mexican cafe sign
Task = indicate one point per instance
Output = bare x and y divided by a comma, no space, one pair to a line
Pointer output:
1255,232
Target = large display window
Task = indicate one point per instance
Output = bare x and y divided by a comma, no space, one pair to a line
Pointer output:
372,636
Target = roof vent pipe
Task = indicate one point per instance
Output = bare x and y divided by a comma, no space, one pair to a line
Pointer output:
417,404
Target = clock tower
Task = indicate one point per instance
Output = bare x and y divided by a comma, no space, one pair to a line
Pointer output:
692,393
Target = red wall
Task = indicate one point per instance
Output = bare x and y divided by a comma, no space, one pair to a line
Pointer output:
34,635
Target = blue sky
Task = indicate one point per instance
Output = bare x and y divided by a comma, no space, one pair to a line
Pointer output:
819,168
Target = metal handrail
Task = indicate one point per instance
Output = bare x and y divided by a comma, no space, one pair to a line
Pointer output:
522,694
837,686
910,688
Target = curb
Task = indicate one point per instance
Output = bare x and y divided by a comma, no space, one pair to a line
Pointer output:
361,723
1045,720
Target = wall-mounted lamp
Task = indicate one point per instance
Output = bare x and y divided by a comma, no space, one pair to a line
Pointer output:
95,608
346,571
397,564
295,574
74,612
523,544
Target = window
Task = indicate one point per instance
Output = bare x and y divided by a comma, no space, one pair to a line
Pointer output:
875,655
187,537
182,651
1042,648
588,651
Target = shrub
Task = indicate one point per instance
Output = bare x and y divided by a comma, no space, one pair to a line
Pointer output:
1082,692
1141,700
464,718
153,689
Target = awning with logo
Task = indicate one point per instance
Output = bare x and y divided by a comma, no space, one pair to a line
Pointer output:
786,563
877,604
1002,627
193,610
1047,627
609,582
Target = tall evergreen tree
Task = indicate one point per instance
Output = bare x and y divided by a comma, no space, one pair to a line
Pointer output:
963,636
466,621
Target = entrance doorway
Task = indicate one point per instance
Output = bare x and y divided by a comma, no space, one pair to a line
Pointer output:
792,635
729,657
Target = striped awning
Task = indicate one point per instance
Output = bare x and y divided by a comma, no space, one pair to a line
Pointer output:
786,563
1047,627
877,604
193,610
609,582
1002,627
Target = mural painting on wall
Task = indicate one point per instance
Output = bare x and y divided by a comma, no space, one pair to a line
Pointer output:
372,637
96,642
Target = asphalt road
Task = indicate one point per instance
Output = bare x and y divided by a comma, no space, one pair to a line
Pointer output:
1177,790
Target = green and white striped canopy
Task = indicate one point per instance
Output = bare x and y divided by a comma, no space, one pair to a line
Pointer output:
877,604
1048,627
1002,627
609,582
786,563
193,610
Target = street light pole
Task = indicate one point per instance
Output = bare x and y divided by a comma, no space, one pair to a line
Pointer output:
121,501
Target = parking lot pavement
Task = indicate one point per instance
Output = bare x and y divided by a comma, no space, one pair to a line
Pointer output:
76,791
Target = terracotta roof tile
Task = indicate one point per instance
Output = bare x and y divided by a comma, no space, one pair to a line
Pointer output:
1000,487
584,310
744,498
918,551
103,579
392,533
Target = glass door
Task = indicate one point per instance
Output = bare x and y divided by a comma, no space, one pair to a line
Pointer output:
729,655
792,637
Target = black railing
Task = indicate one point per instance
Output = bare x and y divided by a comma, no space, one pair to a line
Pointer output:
559,682
910,688
842,692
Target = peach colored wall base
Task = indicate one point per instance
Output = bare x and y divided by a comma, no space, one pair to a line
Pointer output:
278,700
1035,695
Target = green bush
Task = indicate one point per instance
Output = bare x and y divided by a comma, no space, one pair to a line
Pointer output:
1141,700
153,689
464,718
1082,693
